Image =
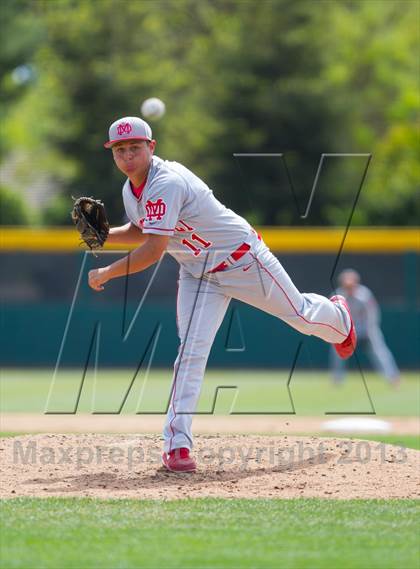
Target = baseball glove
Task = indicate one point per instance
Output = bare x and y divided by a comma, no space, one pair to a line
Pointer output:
91,221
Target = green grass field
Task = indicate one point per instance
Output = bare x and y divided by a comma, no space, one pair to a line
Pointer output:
299,533
408,441
312,534
257,391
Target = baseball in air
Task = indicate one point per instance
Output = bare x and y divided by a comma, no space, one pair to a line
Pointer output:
153,108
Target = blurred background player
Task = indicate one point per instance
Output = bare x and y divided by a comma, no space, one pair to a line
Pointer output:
366,317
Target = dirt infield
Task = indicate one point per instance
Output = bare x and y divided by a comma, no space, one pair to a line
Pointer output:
235,466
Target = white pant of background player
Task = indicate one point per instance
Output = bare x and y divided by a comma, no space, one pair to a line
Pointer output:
258,279
380,356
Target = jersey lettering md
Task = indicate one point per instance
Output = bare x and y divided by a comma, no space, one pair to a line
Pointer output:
155,210
175,202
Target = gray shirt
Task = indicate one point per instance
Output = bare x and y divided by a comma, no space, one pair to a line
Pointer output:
175,202
364,310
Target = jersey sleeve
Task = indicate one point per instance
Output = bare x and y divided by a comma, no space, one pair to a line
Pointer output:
163,203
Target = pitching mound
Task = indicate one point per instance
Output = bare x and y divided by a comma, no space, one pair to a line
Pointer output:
128,466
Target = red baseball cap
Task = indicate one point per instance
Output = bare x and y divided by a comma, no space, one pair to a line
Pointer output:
128,128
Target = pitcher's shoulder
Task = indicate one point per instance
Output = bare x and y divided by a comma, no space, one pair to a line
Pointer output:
170,171
162,177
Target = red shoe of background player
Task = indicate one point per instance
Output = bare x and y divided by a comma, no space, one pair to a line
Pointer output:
179,460
346,348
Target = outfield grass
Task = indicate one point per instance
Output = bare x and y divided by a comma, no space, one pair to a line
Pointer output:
315,534
257,391
407,441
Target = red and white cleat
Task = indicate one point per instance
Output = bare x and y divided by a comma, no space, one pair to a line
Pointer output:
346,348
179,460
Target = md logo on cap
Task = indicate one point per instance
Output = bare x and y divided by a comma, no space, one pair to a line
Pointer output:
128,128
124,128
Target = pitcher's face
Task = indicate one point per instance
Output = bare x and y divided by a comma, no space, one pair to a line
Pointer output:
133,156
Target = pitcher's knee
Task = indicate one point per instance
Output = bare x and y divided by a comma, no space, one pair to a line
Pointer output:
304,326
304,319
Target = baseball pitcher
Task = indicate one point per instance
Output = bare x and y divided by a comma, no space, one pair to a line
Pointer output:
220,256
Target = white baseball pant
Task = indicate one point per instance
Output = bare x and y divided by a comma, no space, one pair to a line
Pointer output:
258,279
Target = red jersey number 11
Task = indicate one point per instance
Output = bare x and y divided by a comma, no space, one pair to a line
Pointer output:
202,243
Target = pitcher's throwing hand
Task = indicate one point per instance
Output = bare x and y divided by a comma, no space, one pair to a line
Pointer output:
97,278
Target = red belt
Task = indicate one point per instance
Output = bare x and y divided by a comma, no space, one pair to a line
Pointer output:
236,255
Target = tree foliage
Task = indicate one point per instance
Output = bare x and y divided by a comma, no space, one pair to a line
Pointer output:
13,210
277,76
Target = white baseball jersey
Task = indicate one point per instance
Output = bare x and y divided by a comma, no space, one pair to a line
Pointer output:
205,235
177,203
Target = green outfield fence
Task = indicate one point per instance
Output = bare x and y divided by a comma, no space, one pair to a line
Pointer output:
40,275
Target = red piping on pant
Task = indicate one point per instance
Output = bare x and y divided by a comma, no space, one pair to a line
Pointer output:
291,304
